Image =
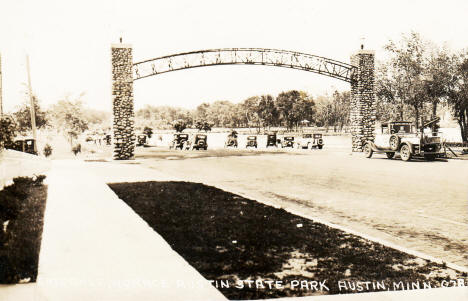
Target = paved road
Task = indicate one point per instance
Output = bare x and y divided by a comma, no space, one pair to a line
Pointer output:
419,205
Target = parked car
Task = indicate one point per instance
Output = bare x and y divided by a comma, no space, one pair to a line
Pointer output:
108,139
231,140
26,146
401,136
288,141
180,141
271,140
310,141
251,142
141,140
199,141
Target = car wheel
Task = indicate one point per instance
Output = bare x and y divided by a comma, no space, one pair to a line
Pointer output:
394,142
390,155
405,153
368,150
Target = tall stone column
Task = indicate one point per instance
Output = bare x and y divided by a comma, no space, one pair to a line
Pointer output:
363,107
122,101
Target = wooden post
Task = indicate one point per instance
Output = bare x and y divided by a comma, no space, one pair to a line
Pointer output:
32,108
1,91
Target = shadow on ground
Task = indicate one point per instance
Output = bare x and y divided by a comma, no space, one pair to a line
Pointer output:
236,240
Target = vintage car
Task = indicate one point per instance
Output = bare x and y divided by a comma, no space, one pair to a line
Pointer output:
310,141
199,141
288,141
251,141
26,146
271,140
108,139
180,141
401,136
141,140
231,140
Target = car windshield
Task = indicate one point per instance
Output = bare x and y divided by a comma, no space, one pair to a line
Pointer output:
401,128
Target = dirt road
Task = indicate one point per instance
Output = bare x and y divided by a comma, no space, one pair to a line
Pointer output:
419,205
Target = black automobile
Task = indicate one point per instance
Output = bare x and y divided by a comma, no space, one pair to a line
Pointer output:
199,142
251,141
271,140
318,141
287,141
108,139
141,140
26,146
180,141
231,140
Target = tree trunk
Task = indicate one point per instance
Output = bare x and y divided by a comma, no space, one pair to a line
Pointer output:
416,112
462,121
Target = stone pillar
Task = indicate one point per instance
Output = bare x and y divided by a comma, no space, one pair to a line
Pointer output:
122,101
363,107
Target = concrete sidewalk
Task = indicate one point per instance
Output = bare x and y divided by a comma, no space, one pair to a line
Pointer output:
95,247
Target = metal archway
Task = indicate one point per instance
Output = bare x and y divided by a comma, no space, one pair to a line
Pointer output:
244,56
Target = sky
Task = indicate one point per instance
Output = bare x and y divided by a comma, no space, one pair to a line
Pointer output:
68,43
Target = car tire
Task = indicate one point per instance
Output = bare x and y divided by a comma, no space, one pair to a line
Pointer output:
390,155
320,146
405,152
394,142
368,150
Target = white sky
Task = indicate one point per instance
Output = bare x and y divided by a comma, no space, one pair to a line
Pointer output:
69,43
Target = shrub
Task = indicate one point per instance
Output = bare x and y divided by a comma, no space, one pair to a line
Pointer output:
148,131
7,131
76,149
47,150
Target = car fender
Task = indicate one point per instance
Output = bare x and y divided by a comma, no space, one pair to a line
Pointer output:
372,145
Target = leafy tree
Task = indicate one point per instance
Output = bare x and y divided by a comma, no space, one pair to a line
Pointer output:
148,131
250,111
68,116
267,111
294,106
403,78
23,116
7,131
458,92
179,125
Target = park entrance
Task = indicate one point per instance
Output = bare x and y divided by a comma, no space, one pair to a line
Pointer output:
359,73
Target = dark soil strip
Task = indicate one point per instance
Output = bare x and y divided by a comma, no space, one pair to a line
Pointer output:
23,205
233,240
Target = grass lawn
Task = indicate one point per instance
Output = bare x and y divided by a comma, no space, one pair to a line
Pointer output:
232,239
23,205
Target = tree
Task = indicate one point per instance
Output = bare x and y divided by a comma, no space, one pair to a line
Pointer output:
68,116
7,131
23,116
179,125
267,111
250,111
294,106
457,96
148,131
403,78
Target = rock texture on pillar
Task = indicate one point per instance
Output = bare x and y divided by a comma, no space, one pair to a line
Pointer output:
363,107
122,102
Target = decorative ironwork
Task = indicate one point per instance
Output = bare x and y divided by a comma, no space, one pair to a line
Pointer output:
244,56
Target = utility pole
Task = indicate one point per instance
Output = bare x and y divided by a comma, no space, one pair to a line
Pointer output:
32,107
1,91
